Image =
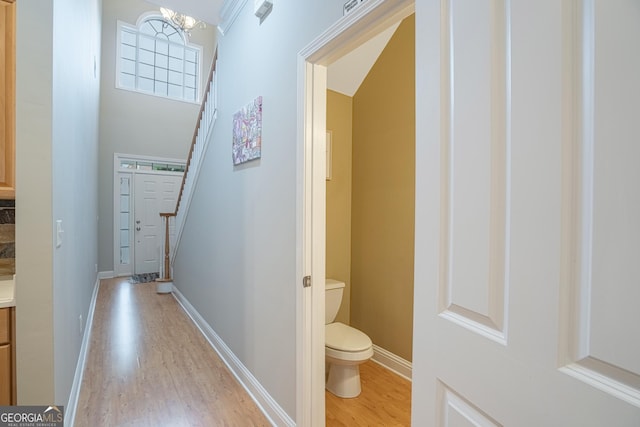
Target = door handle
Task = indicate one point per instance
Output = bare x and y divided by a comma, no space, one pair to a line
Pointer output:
138,222
138,228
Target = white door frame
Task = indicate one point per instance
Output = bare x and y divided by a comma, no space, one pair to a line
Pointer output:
118,158
349,32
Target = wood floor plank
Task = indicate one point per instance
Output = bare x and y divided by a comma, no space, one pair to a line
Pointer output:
385,400
148,365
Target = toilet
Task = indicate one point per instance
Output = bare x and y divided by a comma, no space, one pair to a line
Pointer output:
345,347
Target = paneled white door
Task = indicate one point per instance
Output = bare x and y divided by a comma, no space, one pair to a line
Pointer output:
153,194
527,282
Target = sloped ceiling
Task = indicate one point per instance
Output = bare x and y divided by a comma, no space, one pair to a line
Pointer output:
207,11
347,73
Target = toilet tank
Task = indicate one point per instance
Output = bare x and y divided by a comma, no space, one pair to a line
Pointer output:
332,298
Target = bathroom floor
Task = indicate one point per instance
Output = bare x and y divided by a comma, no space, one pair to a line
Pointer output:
385,401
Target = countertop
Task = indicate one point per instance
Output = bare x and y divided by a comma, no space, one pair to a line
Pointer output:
7,292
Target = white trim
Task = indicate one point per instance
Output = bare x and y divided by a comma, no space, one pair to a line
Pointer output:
390,361
202,139
228,14
143,158
354,29
603,382
117,158
346,34
194,166
120,25
303,262
106,275
72,404
274,413
158,173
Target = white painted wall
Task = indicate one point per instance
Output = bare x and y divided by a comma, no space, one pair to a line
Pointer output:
135,123
237,259
34,217
76,96
57,145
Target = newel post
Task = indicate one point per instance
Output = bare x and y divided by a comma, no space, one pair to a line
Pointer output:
165,284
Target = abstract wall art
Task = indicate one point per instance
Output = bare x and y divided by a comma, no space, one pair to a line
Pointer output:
247,132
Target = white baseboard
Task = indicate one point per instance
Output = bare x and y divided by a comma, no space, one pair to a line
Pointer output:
72,404
106,275
276,415
392,362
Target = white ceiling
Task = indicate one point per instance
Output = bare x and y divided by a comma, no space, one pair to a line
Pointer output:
347,73
207,11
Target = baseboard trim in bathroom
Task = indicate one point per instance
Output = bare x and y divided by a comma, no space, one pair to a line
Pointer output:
74,395
274,412
392,362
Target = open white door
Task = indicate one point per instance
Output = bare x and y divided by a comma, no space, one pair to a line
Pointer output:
527,286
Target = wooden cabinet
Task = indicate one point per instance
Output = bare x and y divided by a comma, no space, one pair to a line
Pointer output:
5,374
7,98
7,357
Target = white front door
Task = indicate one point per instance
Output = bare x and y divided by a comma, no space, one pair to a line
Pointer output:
153,194
527,285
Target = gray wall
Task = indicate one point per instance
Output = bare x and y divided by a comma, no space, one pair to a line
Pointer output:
57,147
135,123
237,259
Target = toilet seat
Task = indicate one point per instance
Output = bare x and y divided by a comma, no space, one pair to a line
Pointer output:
345,349
341,337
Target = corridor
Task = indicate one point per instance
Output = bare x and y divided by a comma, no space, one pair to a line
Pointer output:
148,365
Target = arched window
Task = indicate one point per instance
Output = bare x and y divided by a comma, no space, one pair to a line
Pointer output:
156,58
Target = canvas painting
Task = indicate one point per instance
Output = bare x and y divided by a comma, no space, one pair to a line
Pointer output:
247,132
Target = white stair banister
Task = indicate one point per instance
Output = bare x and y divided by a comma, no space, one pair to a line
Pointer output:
200,140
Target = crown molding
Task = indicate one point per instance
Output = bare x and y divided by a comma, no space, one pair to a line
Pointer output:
228,14
327,47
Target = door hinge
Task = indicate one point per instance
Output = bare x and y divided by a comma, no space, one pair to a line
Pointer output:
306,281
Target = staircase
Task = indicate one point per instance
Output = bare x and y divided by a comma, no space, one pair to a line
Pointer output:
199,142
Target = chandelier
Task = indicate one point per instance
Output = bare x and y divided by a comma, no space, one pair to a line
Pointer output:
184,22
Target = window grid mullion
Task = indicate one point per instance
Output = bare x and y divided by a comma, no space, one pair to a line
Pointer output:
184,73
155,64
144,34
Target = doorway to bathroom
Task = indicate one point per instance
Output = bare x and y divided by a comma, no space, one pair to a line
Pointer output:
346,178
370,211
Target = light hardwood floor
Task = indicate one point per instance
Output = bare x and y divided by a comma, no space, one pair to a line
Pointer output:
385,401
148,365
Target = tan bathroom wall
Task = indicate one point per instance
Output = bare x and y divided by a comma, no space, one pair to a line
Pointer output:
382,227
338,263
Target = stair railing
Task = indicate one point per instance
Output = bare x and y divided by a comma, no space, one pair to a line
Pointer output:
199,142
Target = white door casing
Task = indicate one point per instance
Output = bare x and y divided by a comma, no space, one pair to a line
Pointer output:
366,21
126,168
154,194
527,213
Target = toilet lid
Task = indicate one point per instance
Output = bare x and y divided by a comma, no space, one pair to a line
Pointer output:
339,336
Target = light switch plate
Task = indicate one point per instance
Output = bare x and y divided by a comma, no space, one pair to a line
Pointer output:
59,232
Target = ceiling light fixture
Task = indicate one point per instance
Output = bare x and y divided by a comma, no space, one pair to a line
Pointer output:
184,22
